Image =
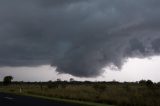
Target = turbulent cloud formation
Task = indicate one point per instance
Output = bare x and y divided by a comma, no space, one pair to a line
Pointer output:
79,37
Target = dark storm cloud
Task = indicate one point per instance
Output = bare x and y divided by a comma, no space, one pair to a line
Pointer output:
79,37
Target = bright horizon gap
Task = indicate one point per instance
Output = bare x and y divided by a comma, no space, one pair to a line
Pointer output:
134,69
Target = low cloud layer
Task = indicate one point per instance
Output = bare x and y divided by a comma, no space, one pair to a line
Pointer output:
79,37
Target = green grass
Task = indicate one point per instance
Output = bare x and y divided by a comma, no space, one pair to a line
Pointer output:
93,94
80,103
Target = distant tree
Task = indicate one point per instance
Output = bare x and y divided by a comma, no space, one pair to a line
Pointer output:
71,79
142,82
158,84
7,80
59,80
149,83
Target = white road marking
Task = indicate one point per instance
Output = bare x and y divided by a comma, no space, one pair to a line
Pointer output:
9,98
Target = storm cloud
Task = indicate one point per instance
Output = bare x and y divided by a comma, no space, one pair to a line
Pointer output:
79,37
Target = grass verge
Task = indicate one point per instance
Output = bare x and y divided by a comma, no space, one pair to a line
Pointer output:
80,103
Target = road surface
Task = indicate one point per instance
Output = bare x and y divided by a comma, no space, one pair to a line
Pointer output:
15,100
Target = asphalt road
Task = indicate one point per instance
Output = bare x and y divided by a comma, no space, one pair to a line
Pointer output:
16,100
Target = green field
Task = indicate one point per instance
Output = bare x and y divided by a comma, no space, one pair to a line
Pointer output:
93,93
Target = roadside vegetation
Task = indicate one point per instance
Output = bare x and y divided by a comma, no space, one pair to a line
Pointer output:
142,93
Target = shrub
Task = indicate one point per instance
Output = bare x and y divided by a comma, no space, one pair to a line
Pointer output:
149,83
7,80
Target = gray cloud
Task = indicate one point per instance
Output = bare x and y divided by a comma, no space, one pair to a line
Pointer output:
79,37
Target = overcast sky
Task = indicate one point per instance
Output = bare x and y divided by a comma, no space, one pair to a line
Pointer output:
77,37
